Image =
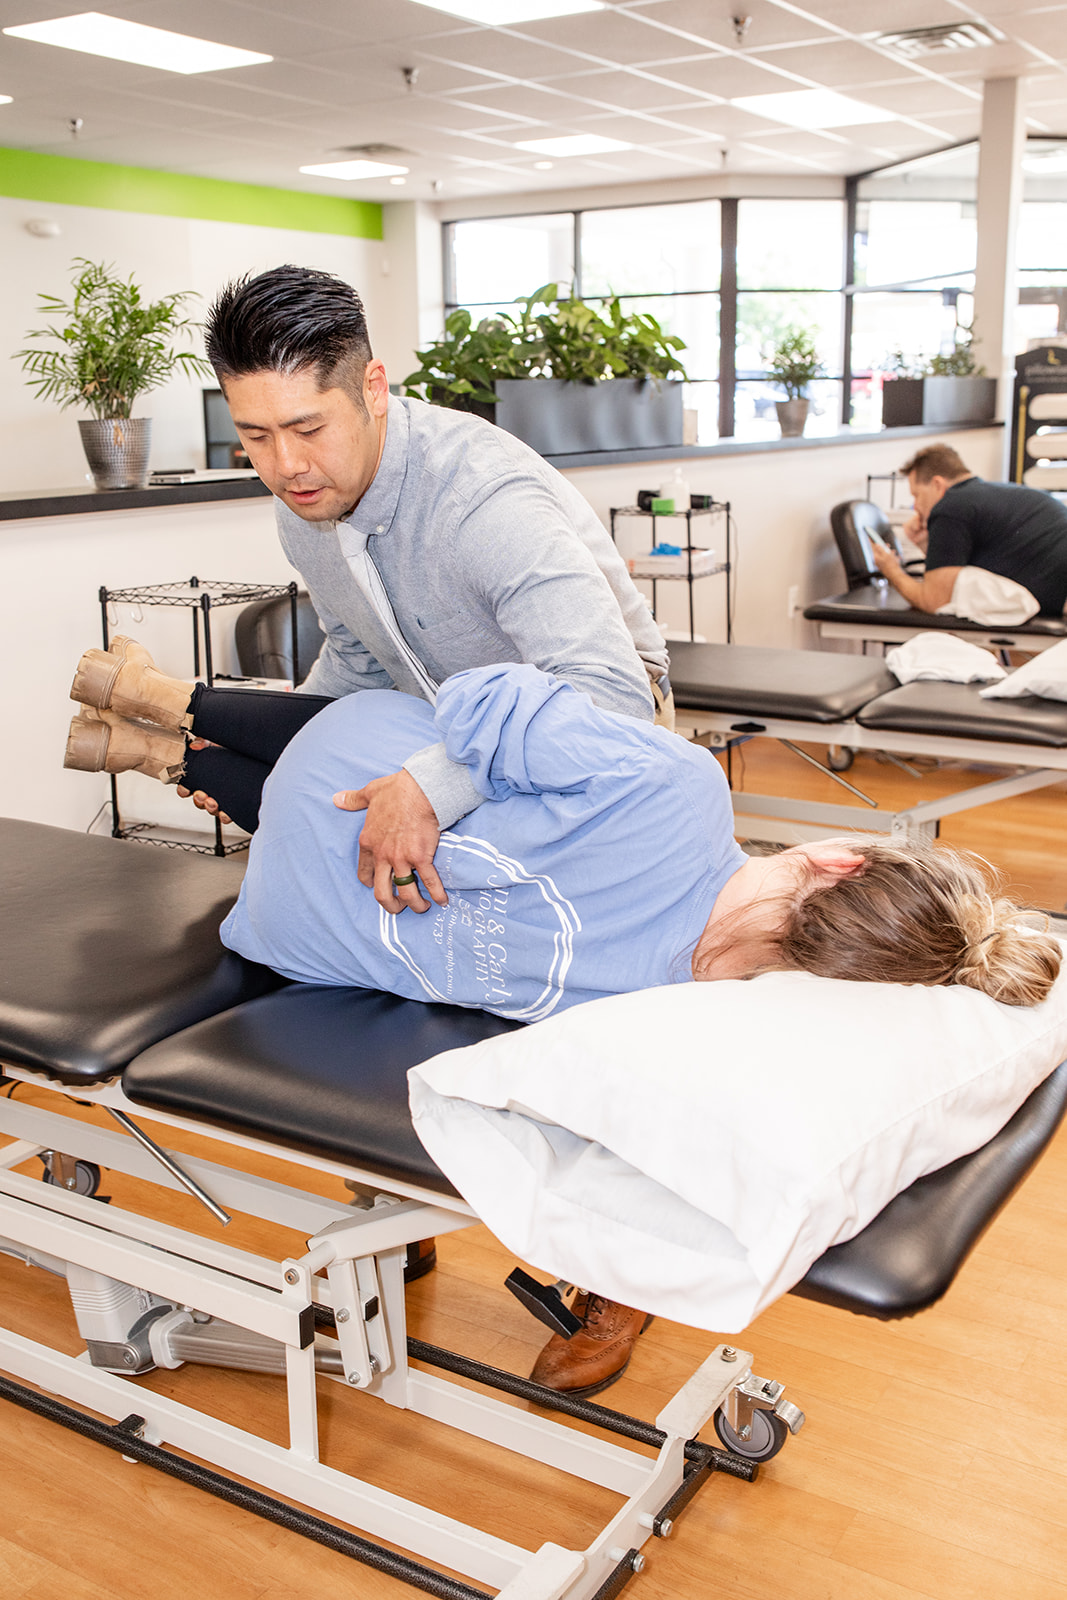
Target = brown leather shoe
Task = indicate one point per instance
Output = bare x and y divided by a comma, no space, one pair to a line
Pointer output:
421,1259
597,1354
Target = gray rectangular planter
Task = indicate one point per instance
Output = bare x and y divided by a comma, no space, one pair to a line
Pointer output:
937,402
556,418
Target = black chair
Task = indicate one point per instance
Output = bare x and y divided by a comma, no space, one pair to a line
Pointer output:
854,523
264,638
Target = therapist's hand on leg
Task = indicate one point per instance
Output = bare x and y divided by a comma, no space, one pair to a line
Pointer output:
399,837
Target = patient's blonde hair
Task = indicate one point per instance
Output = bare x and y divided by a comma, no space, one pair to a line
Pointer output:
923,914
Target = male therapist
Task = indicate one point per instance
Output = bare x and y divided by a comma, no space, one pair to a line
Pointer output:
430,542
960,520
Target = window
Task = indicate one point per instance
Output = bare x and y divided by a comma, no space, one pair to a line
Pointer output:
883,277
495,262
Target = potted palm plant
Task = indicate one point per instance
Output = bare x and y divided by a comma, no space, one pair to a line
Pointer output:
604,380
113,346
794,364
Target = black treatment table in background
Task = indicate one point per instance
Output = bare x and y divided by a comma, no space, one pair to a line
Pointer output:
876,612
725,694
116,992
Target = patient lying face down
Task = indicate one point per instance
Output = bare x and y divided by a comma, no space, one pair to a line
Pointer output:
602,861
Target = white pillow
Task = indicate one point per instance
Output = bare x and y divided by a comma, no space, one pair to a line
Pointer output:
1044,674
691,1150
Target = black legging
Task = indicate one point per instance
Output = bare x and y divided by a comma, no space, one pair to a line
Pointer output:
252,727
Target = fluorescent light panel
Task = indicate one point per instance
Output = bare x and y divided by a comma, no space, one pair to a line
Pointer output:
5,99
573,144
95,34
505,13
813,108
349,171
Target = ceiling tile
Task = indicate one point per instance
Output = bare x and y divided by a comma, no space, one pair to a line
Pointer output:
493,50
836,63
769,26
379,72
726,76
224,22
630,91
625,37
920,97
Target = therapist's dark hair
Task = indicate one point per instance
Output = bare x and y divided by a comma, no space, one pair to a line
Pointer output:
924,914
290,320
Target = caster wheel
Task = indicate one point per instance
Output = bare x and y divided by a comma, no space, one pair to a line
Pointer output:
769,1434
86,1178
839,757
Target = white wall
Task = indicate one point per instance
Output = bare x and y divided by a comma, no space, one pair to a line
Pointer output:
42,448
781,502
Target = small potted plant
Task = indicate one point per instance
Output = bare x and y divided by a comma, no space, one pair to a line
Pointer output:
939,390
113,346
603,380
793,364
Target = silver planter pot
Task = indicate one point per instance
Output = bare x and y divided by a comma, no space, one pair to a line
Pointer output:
117,451
792,415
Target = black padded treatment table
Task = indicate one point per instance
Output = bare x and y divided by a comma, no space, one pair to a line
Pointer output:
726,694
876,611
117,994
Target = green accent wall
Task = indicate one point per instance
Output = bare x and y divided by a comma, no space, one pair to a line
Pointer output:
61,180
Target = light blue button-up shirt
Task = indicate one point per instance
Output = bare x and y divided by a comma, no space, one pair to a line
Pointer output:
487,555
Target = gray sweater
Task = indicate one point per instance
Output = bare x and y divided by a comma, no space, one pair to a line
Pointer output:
487,555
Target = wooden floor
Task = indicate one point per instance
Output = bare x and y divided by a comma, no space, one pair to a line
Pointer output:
933,1463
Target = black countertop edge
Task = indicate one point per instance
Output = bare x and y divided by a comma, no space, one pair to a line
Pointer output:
745,447
25,504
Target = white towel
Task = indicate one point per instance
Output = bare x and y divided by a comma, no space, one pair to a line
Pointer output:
945,658
986,597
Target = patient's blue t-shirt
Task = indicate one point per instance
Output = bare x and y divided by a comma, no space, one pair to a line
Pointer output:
590,870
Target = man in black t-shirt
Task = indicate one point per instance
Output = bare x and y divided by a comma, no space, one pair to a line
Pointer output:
962,521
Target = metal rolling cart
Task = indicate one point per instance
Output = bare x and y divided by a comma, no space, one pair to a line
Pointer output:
694,568
200,596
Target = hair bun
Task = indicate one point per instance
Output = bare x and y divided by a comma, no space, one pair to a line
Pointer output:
1010,962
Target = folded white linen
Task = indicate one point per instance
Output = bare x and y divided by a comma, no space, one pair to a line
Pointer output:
691,1150
1044,675
983,596
943,657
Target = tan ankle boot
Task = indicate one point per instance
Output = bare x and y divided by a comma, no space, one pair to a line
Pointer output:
101,741
132,686
128,649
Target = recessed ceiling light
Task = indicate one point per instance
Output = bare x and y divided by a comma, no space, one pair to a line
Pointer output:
504,13
813,108
573,144
398,181
98,35
1047,163
5,99
350,170
542,166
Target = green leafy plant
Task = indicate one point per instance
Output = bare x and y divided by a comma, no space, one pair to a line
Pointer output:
794,362
958,362
547,337
113,345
